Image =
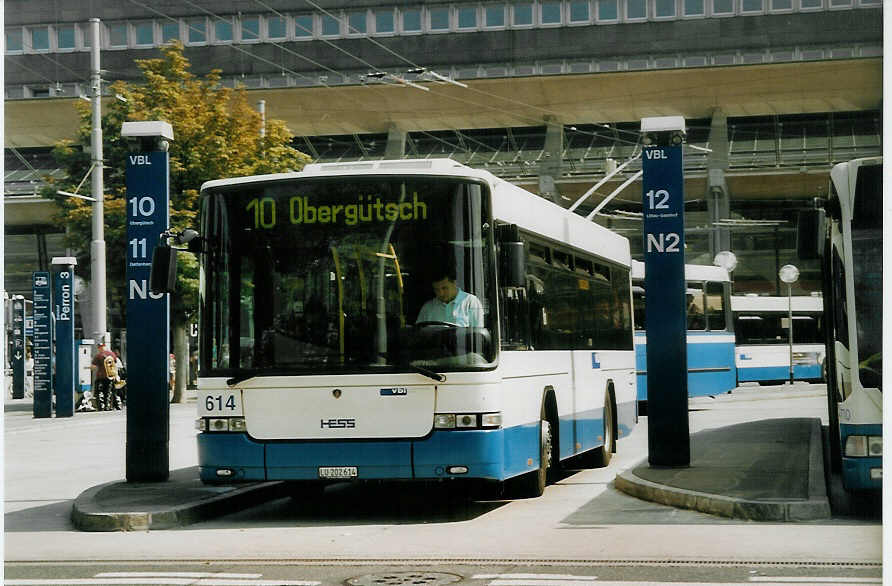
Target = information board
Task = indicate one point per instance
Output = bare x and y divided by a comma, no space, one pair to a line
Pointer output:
41,345
63,309
18,347
148,320
665,319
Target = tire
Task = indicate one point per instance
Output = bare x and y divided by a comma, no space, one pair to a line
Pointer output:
532,484
604,454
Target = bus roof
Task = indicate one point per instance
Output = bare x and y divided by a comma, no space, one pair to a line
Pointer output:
511,204
691,273
756,303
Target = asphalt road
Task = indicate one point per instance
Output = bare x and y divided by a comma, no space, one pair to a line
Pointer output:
581,531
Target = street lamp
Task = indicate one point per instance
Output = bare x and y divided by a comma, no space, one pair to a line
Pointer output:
726,260
789,274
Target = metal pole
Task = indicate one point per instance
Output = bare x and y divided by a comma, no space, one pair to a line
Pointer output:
97,246
261,107
790,318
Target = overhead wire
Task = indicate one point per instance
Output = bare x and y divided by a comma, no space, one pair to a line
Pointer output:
401,57
536,121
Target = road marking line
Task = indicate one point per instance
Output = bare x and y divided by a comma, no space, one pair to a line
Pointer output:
815,580
533,577
148,581
176,575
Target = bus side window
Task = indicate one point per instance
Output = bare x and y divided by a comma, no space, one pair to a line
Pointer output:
839,299
515,319
694,301
715,306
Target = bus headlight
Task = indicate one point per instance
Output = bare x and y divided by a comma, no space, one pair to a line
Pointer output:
490,420
222,424
467,420
444,420
861,446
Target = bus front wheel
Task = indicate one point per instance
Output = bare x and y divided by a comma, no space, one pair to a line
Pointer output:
532,484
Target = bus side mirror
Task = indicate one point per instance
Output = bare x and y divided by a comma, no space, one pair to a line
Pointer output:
513,265
163,277
809,234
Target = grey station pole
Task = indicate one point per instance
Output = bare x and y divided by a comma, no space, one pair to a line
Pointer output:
97,246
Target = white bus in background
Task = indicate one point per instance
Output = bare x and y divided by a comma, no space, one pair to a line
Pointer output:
762,328
710,333
314,368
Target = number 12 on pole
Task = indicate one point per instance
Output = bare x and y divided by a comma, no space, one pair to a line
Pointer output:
663,201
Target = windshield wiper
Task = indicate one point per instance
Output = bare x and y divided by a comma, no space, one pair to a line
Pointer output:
240,377
421,370
428,373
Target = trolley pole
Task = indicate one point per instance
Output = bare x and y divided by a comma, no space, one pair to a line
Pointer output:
669,442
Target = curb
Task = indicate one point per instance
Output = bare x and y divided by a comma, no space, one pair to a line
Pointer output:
817,506
88,516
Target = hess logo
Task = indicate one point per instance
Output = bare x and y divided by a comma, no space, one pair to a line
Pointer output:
341,423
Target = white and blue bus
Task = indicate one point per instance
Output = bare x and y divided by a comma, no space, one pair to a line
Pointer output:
315,367
710,334
762,330
852,262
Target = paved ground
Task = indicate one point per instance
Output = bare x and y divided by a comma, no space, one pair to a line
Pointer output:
768,470
49,464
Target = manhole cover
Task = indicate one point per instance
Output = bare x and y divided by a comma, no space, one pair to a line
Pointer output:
403,578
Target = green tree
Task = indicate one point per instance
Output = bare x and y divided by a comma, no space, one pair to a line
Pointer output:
216,134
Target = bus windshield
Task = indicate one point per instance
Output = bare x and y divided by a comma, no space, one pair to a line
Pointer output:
330,275
867,256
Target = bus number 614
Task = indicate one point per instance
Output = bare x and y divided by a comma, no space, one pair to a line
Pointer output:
217,403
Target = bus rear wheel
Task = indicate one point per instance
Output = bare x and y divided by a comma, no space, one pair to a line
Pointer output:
604,454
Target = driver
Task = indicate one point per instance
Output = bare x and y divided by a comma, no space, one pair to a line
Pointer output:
450,304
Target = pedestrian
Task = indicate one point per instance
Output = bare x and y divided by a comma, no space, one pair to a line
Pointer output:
102,391
29,373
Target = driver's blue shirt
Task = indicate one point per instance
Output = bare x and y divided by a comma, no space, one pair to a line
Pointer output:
465,310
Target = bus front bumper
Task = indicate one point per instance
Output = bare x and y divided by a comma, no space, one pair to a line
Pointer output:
862,474
478,454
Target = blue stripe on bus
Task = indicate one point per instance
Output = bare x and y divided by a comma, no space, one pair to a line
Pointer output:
243,457
489,454
714,361
778,373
